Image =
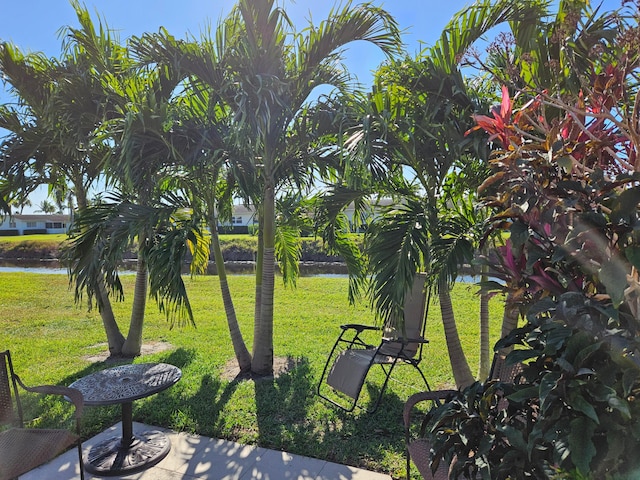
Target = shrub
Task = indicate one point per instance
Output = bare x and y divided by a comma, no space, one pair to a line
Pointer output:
567,194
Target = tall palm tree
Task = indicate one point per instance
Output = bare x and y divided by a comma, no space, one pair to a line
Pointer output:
52,129
205,126
276,73
418,115
265,74
140,163
539,62
419,232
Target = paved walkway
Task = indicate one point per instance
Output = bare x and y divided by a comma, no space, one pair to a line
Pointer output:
196,457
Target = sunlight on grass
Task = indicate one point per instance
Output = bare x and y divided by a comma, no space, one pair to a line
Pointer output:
40,321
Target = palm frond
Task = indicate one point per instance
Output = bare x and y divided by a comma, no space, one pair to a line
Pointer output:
288,250
473,22
177,235
335,228
319,49
397,244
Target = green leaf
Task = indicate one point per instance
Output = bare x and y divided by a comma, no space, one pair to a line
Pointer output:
523,395
633,255
516,437
547,385
579,403
629,378
602,393
519,356
613,274
621,406
565,163
626,205
581,443
519,233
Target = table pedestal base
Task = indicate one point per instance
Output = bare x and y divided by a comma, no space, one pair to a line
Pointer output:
113,457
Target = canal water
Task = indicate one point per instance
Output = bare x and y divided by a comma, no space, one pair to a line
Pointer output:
307,269
232,268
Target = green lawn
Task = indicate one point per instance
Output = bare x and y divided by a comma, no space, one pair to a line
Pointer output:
41,237
51,338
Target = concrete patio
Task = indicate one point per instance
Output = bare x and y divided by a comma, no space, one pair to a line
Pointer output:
196,457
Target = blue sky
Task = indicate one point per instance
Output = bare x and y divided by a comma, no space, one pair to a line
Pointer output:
34,25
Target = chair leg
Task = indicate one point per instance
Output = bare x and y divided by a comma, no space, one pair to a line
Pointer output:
406,447
384,385
80,460
422,375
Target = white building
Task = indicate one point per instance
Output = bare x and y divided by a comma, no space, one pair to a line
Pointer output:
243,218
32,224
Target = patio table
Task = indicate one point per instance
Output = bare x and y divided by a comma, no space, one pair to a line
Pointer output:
123,384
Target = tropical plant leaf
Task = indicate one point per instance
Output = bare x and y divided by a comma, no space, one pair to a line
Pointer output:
581,443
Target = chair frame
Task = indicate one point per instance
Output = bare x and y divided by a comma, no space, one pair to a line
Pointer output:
12,414
351,338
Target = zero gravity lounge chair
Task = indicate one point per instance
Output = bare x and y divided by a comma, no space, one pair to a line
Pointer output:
352,356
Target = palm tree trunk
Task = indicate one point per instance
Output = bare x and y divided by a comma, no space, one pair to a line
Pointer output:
258,289
510,317
461,371
133,344
509,321
262,362
485,354
239,347
115,338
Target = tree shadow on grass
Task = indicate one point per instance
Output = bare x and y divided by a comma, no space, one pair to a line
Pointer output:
198,413
290,418
176,408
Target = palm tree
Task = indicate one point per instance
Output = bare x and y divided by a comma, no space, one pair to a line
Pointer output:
276,76
419,231
433,144
148,211
205,125
129,140
265,75
416,120
46,207
52,139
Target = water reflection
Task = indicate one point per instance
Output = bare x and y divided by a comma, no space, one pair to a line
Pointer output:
307,269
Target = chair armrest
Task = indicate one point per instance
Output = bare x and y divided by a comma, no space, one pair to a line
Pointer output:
72,394
416,398
405,341
358,327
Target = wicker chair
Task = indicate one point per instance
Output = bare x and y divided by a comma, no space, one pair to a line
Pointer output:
418,448
22,449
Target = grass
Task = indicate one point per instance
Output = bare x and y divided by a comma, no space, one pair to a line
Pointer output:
54,238
50,338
